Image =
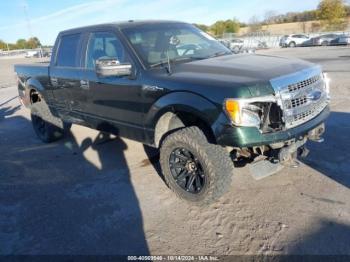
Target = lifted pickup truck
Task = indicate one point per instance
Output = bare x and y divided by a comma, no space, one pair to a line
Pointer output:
171,86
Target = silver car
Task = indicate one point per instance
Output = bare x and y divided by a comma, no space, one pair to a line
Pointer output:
293,40
236,45
322,40
341,40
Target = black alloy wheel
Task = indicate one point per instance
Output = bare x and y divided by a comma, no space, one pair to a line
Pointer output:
194,169
187,171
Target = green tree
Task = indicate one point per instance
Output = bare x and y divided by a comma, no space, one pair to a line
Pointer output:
3,45
228,26
332,13
347,10
33,42
21,44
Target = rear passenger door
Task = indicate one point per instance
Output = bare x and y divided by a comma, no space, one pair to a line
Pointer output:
65,75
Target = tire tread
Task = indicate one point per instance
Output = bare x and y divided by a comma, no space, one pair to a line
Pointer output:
216,159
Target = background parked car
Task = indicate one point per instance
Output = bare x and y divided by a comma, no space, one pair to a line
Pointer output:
322,40
225,42
293,40
236,45
47,54
30,54
341,40
256,44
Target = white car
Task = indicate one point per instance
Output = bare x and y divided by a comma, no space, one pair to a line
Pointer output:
293,40
31,54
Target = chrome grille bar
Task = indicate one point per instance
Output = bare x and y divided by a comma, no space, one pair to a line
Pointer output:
302,95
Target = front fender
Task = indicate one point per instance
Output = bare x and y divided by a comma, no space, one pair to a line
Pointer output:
189,102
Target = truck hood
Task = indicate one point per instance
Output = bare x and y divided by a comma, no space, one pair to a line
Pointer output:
237,75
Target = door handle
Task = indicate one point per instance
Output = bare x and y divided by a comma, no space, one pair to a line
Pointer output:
148,88
84,84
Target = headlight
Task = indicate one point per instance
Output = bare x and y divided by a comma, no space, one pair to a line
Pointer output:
246,112
242,114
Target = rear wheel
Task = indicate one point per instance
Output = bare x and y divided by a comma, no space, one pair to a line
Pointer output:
194,169
47,127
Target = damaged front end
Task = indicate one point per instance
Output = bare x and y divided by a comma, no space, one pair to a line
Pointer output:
299,99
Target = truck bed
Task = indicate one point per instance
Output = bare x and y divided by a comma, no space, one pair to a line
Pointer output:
32,70
37,73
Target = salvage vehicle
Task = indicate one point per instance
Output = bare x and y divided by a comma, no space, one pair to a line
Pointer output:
204,108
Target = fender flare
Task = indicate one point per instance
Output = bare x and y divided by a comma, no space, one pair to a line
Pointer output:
34,83
25,88
173,102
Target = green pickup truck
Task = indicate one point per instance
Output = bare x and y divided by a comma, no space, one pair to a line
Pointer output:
172,86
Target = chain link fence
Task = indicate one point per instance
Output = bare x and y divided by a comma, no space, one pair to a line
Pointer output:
21,53
261,40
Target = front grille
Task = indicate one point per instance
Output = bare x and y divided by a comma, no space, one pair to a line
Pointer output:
297,102
312,111
302,96
303,84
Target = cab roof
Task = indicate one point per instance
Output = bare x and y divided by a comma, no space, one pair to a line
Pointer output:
120,25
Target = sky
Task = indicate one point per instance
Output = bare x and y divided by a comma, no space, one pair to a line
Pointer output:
44,19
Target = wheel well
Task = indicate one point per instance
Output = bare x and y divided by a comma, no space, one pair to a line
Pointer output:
34,96
173,121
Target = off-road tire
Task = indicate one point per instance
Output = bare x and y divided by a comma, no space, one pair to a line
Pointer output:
215,160
47,127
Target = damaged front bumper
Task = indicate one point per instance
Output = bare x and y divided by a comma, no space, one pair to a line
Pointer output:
267,154
284,154
251,136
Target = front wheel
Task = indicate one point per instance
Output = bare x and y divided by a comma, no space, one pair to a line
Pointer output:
292,44
197,171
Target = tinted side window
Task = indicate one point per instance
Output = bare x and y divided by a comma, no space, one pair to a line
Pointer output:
104,44
68,51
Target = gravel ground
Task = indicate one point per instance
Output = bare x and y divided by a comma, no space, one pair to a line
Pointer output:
93,194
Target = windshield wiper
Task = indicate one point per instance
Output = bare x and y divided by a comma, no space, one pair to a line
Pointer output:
222,53
188,58
174,60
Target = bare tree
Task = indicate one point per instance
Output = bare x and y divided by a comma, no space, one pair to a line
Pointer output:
255,24
270,17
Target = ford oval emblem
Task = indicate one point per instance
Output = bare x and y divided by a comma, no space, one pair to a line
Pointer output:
314,95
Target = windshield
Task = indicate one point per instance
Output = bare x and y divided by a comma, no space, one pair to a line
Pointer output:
156,43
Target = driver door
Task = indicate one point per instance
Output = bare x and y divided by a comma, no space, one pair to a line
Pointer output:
114,103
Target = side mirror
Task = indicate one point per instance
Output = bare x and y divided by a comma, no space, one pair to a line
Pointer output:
106,67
